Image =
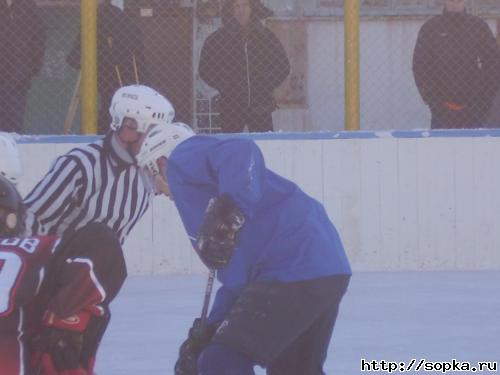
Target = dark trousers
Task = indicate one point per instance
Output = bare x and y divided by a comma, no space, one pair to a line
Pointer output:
233,120
468,118
285,327
12,107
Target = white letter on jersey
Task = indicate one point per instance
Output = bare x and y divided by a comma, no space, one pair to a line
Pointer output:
10,266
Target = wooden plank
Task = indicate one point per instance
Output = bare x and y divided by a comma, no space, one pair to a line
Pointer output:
435,203
408,240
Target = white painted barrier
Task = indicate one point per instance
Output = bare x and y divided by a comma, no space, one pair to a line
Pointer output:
401,200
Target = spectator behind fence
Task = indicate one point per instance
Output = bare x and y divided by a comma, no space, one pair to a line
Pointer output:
120,56
22,47
245,62
456,64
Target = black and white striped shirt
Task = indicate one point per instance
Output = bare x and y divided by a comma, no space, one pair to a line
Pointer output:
88,184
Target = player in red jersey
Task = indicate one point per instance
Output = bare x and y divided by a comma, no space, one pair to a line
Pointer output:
54,293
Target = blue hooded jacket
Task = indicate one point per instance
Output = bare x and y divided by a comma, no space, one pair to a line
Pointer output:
287,235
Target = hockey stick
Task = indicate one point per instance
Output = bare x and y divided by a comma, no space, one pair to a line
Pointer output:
73,106
136,72
206,300
117,69
118,76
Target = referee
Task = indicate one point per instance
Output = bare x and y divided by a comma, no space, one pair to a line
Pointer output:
100,182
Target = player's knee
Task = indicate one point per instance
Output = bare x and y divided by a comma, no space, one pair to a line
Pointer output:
218,359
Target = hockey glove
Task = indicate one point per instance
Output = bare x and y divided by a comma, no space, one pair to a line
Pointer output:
198,338
219,232
57,350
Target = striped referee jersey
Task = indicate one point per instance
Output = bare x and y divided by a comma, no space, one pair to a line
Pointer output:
88,184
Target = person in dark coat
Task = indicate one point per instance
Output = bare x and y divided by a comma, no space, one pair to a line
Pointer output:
22,47
245,62
120,57
456,65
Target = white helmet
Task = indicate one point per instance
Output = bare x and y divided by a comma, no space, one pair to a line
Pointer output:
141,103
159,142
10,160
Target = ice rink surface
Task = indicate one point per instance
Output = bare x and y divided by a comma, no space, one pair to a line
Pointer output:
392,316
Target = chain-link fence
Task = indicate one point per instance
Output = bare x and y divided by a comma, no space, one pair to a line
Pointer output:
244,65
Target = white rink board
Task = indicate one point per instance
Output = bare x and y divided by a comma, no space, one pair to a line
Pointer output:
401,201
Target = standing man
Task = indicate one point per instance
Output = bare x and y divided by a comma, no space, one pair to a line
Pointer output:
22,47
279,258
456,64
101,182
245,62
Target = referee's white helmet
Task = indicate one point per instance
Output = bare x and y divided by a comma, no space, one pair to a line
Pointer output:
11,166
160,142
145,105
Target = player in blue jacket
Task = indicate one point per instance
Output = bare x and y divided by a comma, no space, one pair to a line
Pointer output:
279,258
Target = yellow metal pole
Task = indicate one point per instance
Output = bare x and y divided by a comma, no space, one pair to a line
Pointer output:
89,66
351,64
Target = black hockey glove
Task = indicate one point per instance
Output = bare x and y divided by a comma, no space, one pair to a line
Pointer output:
198,338
219,232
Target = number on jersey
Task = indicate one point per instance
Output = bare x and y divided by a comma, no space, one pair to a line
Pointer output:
11,266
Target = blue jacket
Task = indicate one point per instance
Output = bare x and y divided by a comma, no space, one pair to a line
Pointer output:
287,235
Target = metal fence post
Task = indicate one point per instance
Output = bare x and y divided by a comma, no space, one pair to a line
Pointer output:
351,63
89,66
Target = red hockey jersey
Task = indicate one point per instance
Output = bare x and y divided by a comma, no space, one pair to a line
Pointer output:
84,271
23,263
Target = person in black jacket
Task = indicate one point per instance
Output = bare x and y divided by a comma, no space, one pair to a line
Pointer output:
22,47
120,57
456,65
245,62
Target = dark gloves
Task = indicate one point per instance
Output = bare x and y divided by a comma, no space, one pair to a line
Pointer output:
198,338
219,232
58,348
